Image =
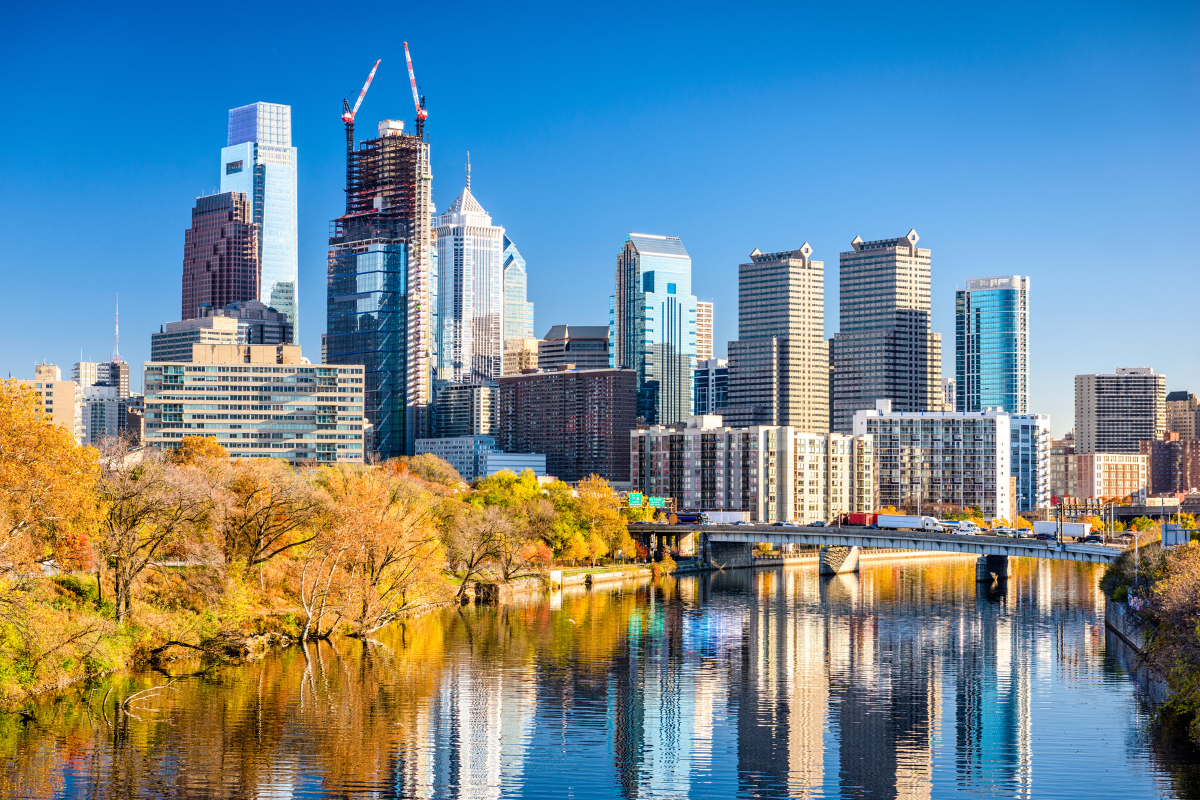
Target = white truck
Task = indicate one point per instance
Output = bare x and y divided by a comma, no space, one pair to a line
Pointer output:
1070,530
727,517
901,523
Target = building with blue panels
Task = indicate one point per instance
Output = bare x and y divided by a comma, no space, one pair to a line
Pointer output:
992,344
259,161
652,325
518,311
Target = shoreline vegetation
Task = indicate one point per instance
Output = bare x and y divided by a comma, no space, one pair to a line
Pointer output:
116,557
1161,590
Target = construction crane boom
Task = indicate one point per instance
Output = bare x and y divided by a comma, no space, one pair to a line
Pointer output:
348,118
418,101
348,115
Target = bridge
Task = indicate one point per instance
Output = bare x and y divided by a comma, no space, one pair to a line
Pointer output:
727,545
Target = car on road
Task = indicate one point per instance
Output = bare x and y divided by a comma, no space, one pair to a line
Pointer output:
1024,533
1003,532
871,528
1044,537
817,524
1092,539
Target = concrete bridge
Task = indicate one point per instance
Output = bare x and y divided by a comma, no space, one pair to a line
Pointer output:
730,545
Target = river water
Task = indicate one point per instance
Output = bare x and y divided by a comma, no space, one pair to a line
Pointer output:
905,681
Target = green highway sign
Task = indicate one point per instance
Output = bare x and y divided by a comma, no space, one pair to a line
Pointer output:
658,502
635,499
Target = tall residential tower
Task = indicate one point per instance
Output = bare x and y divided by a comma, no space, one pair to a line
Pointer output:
884,348
652,324
991,344
260,162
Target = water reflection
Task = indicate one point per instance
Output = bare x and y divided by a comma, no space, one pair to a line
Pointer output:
905,681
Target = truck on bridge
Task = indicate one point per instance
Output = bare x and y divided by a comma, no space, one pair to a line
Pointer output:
899,522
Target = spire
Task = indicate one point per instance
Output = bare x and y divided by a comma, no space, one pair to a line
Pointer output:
468,170
116,332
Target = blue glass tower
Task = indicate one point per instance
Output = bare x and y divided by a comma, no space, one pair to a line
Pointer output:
260,162
518,311
992,344
652,324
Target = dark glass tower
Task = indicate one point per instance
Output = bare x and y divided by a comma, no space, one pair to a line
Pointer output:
220,254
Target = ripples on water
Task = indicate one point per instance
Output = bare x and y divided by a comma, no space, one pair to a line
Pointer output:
906,681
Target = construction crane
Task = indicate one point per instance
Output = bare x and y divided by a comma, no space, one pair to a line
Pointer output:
418,101
348,118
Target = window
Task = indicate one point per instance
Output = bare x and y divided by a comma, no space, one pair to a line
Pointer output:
233,167
670,288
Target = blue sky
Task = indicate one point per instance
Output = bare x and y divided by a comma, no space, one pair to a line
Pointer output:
1050,140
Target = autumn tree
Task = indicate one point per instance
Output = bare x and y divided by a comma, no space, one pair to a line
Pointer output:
146,506
472,542
196,449
430,468
266,508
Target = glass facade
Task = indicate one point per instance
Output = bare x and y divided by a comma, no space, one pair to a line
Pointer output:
259,160
653,324
367,324
992,345
1031,443
518,311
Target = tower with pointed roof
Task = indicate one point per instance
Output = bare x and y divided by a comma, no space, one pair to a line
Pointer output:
652,324
470,295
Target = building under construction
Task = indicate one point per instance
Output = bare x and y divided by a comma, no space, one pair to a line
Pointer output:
380,282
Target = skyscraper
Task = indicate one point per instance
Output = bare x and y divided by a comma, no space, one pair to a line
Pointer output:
1114,413
991,344
779,365
885,348
704,330
470,292
652,324
518,311
379,287
220,254
584,346
260,162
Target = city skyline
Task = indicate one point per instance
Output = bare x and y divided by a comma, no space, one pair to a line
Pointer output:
954,155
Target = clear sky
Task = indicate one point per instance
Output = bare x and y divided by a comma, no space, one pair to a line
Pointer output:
1057,141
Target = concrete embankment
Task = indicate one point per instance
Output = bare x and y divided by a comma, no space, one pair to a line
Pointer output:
1126,640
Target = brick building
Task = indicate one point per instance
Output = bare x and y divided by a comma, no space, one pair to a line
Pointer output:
1174,464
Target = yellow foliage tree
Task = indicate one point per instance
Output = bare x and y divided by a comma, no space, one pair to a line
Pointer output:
197,449
1024,523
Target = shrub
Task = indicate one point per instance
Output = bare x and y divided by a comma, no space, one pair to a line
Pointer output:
1120,594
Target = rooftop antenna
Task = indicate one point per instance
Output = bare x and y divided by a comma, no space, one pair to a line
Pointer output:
468,170
116,333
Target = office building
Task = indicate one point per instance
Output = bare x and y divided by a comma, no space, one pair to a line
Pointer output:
1183,414
949,394
257,323
379,286
220,254
174,340
580,420
991,344
518,311
924,461
521,355
257,401
652,325
1029,460
135,419
1173,465
1114,413
884,348
113,374
710,386
104,413
779,365
584,346
470,293
61,400
704,330
464,409
477,456
1109,476
1062,466
259,162
774,473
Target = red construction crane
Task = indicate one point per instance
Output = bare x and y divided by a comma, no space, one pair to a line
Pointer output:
418,101
348,118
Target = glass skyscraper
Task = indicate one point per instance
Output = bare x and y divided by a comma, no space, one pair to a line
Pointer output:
259,161
518,311
991,356
652,324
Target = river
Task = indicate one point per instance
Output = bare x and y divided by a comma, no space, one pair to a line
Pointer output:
904,681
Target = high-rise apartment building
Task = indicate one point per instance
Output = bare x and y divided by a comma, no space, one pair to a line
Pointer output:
464,409
520,355
1113,413
779,365
1109,476
257,401
710,386
1062,466
704,330
773,473
470,292
884,348
949,394
580,420
260,162
584,346
379,286
652,324
220,254
61,400
518,311
991,344
1173,464
104,413
114,374
1029,460
1183,414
